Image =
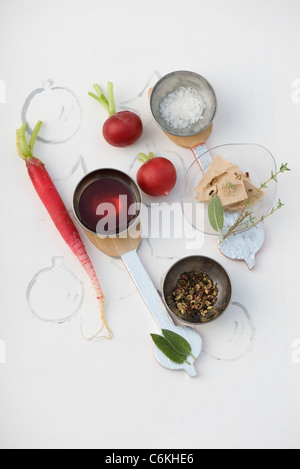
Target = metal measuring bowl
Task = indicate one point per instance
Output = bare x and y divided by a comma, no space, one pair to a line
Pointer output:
172,82
104,174
208,266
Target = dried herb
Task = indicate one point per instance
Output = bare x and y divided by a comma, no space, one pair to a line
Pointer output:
230,186
194,297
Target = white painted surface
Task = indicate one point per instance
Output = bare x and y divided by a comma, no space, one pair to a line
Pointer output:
58,390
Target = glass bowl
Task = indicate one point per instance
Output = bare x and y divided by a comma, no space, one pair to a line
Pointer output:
250,158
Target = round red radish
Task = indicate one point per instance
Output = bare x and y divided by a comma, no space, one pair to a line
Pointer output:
122,129
157,176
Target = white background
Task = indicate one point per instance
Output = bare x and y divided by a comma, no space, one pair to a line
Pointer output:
57,390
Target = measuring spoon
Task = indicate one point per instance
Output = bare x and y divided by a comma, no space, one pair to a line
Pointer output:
241,246
125,245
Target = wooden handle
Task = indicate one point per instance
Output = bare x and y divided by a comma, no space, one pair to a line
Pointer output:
188,142
118,246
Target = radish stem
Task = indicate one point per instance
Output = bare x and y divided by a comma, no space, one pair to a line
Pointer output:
111,99
101,100
109,102
143,158
25,150
99,91
22,145
34,136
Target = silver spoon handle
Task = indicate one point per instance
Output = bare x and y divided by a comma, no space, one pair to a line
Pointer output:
147,290
203,157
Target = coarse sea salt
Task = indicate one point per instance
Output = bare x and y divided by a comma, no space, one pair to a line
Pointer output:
182,108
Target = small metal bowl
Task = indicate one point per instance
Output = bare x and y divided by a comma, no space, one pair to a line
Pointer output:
106,173
170,83
199,264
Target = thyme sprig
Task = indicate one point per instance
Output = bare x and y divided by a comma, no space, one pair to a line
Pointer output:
245,219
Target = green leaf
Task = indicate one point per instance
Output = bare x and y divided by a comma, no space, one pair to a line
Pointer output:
178,343
284,168
216,214
280,204
168,350
273,176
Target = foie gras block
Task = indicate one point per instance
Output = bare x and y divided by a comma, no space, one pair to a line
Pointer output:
226,180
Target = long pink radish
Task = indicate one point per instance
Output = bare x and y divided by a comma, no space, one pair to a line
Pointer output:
57,210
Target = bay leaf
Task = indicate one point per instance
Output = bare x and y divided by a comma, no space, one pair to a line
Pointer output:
178,342
168,350
216,214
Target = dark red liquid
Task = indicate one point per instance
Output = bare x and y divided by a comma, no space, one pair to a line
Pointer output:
93,206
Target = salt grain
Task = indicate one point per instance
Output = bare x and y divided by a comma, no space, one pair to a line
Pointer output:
182,108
